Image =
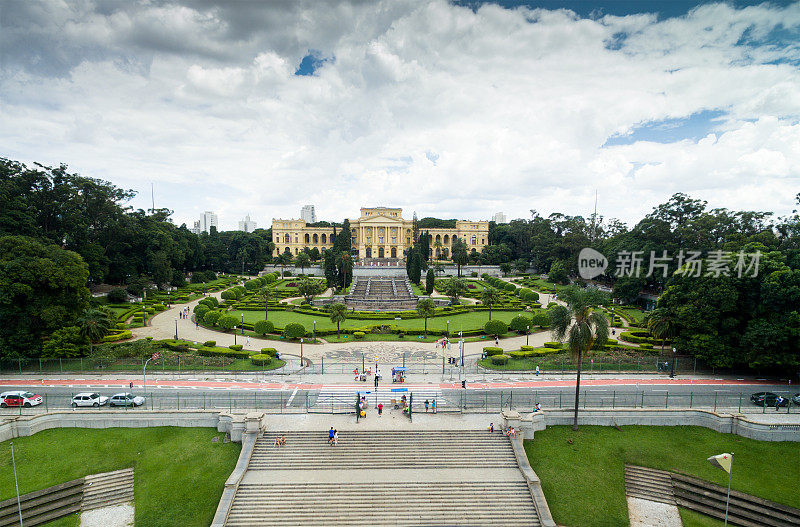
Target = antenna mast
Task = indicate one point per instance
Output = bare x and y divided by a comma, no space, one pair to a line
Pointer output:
152,199
594,217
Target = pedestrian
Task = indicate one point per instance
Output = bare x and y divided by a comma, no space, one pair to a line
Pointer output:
355,373
331,432
196,325
433,406
538,407
376,380
778,402
427,404
131,385
335,438
613,331
248,340
491,428
537,370
496,340
380,409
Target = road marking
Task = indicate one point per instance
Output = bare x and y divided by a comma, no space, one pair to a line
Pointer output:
291,397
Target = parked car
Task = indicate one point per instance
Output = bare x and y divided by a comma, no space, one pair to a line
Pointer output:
767,399
89,399
126,399
19,398
796,399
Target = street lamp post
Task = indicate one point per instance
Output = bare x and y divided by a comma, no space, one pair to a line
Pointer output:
315,331
234,335
176,328
672,369
242,326
527,334
448,328
301,352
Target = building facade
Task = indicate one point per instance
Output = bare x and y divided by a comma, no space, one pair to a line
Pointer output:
247,225
308,214
499,217
208,220
379,232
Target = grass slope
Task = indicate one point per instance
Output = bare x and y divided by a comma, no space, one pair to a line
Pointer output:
179,473
585,483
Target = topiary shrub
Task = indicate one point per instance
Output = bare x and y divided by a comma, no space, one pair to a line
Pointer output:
519,324
200,310
212,317
272,352
236,347
262,327
260,359
519,354
500,359
210,343
492,350
474,274
294,330
495,327
527,348
552,345
358,334
210,301
646,346
227,322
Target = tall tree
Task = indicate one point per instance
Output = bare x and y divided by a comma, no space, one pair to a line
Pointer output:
454,288
581,326
459,252
265,293
426,308
302,261
429,280
489,297
338,313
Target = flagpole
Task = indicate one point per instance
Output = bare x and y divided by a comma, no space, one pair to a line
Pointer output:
14,462
728,500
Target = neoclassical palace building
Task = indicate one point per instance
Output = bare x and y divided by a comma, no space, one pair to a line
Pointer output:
379,233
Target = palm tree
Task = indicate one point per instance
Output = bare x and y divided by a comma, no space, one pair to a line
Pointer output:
283,260
338,315
661,324
454,288
581,325
302,261
265,294
426,308
438,246
490,296
95,324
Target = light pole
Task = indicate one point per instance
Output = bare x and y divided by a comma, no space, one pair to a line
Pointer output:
448,328
672,369
176,328
16,484
242,326
144,372
301,352
315,331
234,335
527,334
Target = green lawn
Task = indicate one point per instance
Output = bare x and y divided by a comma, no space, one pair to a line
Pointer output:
636,315
472,320
179,473
583,477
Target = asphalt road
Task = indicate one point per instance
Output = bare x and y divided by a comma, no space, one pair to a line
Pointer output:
340,398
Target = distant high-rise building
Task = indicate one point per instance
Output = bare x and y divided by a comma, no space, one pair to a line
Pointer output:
246,225
308,214
197,229
499,217
209,220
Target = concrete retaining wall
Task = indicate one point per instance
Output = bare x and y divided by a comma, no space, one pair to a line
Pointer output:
738,424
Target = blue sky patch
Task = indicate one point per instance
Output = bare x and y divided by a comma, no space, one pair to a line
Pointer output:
311,63
694,127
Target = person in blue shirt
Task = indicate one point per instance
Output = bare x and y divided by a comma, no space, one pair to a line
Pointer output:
331,432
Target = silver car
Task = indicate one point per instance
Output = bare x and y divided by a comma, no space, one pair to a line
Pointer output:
126,399
89,399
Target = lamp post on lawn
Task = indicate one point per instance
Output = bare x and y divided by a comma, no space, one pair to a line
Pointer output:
301,352
527,334
672,369
176,328
234,335
315,331
242,326
144,372
448,328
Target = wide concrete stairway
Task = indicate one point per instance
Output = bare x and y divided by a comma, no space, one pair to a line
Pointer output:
399,478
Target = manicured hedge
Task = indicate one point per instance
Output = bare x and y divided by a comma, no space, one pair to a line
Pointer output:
553,345
222,352
492,350
358,334
495,327
210,343
236,347
212,317
262,327
272,352
500,359
117,335
260,359
294,330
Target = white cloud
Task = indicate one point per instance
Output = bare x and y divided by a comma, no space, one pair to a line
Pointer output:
512,106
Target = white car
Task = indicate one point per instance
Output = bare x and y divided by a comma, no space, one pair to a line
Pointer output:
89,399
19,398
126,399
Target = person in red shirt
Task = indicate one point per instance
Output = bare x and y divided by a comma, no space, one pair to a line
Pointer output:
380,409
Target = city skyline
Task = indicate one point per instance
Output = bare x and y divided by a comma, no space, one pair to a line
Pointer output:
455,110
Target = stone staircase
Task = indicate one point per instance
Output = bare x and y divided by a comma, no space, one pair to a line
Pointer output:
649,484
399,478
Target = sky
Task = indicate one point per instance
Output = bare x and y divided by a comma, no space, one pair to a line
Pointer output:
450,109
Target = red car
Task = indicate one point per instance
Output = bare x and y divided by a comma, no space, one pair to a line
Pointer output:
19,398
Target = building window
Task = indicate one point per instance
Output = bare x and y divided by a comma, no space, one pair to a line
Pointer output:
354,239
394,239
380,239
369,239
408,241
474,240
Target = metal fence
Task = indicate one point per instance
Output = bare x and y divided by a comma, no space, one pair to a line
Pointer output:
453,400
178,365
